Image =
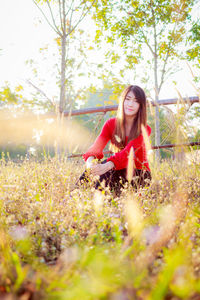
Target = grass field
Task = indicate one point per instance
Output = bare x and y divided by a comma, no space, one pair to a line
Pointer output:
56,243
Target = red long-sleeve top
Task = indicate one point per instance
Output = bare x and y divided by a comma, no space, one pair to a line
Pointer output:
120,159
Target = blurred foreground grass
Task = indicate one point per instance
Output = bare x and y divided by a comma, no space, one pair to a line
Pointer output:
58,244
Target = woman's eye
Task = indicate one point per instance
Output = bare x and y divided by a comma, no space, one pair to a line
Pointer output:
128,99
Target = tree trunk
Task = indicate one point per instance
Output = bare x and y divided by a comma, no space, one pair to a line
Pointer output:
63,67
157,120
63,58
157,128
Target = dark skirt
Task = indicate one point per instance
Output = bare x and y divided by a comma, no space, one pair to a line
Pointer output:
116,180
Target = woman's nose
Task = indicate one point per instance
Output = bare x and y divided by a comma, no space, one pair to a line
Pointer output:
132,102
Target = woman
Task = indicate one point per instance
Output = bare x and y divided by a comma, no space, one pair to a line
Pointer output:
124,132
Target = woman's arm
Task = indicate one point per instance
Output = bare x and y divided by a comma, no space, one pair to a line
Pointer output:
100,169
120,159
96,149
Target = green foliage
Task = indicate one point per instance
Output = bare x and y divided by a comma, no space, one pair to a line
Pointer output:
148,33
194,41
13,151
7,96
13,98
108,95
157,26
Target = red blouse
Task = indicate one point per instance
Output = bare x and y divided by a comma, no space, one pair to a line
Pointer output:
120,159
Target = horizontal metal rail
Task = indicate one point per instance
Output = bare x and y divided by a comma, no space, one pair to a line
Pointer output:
104,109
153,148
176,145
107,108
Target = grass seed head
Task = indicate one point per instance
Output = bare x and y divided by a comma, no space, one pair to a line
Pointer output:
134,216
131,165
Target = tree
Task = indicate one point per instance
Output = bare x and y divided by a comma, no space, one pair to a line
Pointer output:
7,96
64,18
13,96
148,31
45,88
193,41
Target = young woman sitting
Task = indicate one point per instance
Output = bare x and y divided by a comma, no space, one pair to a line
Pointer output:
124,132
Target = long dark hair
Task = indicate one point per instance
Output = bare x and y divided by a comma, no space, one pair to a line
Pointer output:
119,136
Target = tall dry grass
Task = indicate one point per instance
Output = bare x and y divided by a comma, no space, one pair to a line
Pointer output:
58,244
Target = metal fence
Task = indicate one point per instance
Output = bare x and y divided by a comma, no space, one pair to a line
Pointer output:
108,108
104,109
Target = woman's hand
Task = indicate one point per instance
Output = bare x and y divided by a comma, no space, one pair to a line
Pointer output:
91,161
101,169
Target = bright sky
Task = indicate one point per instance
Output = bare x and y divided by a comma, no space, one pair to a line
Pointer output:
22,35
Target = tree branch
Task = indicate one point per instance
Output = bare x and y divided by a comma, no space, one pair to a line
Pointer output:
40,91
60,13
163,72
70,8
154,28
141,31
82,17
52,16
161,31
64,17
55,29
70,19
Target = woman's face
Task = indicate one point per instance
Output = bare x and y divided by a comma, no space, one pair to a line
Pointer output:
131,106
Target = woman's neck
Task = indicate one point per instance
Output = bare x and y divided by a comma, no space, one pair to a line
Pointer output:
129,121
128,124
